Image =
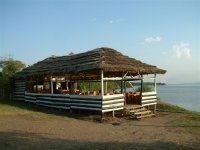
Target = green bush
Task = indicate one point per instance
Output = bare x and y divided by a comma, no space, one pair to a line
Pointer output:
145,88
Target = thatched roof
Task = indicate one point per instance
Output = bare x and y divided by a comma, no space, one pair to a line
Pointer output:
106,59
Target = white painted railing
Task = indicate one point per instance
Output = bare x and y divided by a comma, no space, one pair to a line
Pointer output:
149,98
19,90
112,102
103,104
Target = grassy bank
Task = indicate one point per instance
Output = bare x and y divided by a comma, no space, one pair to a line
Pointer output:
163,106
192,119
21,108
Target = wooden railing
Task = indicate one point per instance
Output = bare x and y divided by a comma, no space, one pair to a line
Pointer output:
53,100
149,98
85,102
112,102
103,104
19,90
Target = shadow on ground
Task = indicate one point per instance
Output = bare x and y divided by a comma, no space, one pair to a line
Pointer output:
15,140
77,114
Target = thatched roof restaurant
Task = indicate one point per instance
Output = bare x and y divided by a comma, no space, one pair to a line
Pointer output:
101,59
101,64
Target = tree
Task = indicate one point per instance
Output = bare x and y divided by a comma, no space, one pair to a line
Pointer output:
145,88
71,53
9,67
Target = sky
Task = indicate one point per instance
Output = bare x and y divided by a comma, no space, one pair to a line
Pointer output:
164,33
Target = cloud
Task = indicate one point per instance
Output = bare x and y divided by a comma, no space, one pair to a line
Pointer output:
182,50
151,39
111,21
115,21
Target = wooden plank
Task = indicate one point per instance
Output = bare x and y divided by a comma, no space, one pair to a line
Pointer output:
29,97
19,89
113,101
149,104
112,79
149,101
51,95
113,105
27,93
19,83
49,102
19,92
19,99
138,110
142,112
114,109
87,101
87,108
62,107
115,96
79,104
85,97
149,93
145,116
54,99
29,101
149,97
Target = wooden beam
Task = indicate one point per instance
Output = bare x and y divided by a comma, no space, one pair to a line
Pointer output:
141,90
155,88
51,84
112,79
106,86
102,114
37,84
102,88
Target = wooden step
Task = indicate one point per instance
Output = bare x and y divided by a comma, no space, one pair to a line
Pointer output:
137,110
145,116
142,112
133,106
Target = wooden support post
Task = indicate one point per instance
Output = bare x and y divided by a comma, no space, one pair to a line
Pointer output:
51,84
67,87
154,111
155,88
141,90
122,86
102,93
37,84
70,84
106,87
75,85
102,88
113,113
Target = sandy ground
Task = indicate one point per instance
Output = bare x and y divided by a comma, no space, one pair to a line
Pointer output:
25,132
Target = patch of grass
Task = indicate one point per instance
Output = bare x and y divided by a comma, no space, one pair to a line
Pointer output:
191,120
163,106
22,108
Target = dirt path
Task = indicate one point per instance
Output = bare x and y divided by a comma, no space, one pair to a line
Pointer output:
25,132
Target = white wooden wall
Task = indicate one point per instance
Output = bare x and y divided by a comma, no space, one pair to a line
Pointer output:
19,90
149,98
105,103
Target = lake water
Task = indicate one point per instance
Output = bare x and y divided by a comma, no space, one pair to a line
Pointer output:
184,95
